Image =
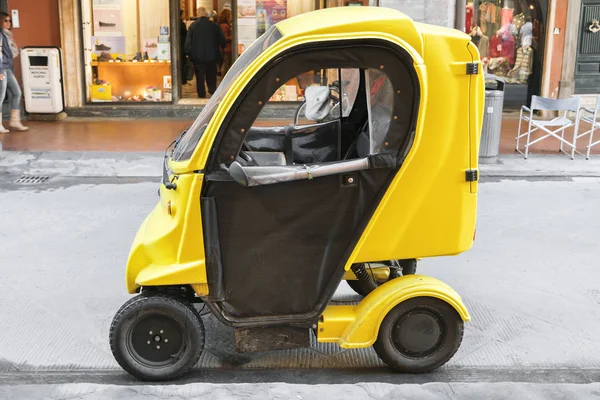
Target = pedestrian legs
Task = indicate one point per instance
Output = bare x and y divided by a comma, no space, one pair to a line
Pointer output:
211,77
200,69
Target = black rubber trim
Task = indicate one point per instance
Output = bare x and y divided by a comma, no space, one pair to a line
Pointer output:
213,164
212,249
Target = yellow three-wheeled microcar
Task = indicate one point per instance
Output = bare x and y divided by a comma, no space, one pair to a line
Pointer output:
264,209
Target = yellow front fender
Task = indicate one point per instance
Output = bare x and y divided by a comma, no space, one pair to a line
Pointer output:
168,248
358,326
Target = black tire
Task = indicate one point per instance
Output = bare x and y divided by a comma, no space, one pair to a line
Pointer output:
409,267
419,335
172,330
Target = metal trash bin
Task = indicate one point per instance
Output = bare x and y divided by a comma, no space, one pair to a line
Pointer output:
492,119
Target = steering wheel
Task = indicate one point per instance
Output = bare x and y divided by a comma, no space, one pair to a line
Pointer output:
297,116
247,157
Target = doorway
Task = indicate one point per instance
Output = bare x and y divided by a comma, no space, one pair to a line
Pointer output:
587,64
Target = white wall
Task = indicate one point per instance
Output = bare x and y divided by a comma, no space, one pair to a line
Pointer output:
436,12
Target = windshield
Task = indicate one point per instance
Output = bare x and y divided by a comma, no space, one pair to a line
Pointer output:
187,144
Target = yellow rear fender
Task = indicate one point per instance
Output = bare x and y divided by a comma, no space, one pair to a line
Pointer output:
358,326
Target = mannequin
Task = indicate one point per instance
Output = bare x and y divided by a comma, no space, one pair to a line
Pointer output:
508,44
496,45
523,65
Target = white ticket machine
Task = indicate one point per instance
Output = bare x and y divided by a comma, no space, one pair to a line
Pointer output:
42,80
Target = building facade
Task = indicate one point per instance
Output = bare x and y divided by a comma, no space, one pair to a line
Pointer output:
580,72
124,54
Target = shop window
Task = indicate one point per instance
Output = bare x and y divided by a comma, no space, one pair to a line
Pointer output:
128,50
255,17
350,3
507,34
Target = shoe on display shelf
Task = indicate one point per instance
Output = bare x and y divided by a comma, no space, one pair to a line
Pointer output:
102,47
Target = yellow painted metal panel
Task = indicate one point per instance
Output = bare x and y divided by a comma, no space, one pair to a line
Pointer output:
428,210
170,242
358,326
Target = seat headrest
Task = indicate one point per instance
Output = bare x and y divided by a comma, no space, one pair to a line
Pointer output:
318,105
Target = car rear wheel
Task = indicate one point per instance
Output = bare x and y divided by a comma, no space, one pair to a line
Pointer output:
419,335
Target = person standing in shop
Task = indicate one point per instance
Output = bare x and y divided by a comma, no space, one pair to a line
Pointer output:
183,36
225,24
203,44
8,80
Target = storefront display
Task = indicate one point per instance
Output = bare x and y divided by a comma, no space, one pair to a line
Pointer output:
506,33
247,24
255,17
128,44
130,51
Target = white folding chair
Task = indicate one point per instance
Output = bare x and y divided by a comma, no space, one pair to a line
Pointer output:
590,116
559,123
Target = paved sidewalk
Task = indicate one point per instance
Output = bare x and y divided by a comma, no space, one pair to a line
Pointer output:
143,134
149,164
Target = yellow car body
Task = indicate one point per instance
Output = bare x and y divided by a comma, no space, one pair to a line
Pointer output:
428,210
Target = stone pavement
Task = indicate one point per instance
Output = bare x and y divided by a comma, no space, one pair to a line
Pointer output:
262,391
530,283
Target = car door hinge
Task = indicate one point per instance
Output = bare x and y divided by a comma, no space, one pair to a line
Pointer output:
472,175
472,68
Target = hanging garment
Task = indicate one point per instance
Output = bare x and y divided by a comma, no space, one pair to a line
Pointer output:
519,21
508,48
495,47
483,46
507,16
491,13
482,21
469,19
497,16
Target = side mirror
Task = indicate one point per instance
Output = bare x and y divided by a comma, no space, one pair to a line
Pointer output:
236,171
